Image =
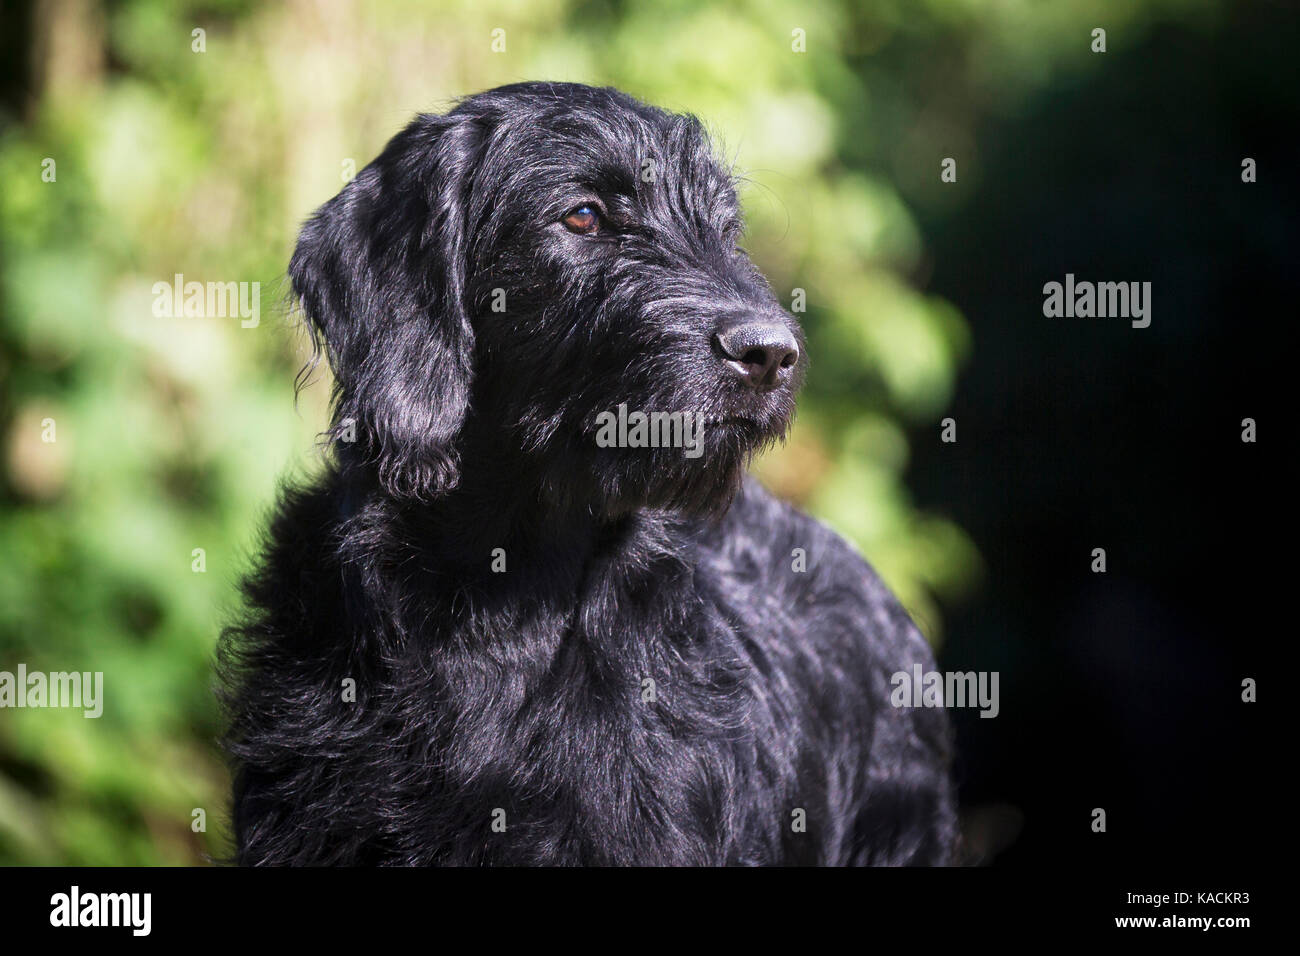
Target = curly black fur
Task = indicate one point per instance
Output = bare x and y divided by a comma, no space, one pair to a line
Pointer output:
648,680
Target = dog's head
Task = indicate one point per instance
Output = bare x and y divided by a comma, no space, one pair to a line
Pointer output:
503,278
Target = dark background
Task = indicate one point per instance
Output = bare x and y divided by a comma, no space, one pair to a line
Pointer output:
1123,689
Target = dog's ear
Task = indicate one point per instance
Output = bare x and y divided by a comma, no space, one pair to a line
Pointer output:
380,273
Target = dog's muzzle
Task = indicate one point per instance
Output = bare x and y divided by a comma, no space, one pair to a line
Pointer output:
763,353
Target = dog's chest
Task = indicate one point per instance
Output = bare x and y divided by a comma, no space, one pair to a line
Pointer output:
612,738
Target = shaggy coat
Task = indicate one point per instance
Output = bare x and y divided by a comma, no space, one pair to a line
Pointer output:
480,637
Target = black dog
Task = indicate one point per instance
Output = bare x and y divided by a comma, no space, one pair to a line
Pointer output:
485,637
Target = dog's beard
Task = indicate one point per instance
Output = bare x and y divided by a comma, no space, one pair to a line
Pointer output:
612,482
677,438
689,489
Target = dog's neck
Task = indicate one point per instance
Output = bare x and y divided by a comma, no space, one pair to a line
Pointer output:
501,529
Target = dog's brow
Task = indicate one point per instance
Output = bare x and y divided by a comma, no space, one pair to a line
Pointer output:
613,178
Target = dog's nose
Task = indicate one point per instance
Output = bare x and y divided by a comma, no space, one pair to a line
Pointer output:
761,352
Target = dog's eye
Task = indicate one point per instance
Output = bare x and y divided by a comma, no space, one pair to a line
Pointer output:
584,220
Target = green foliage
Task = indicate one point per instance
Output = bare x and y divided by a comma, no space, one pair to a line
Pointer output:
171,433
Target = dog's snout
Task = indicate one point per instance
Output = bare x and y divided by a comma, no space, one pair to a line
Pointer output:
760,351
